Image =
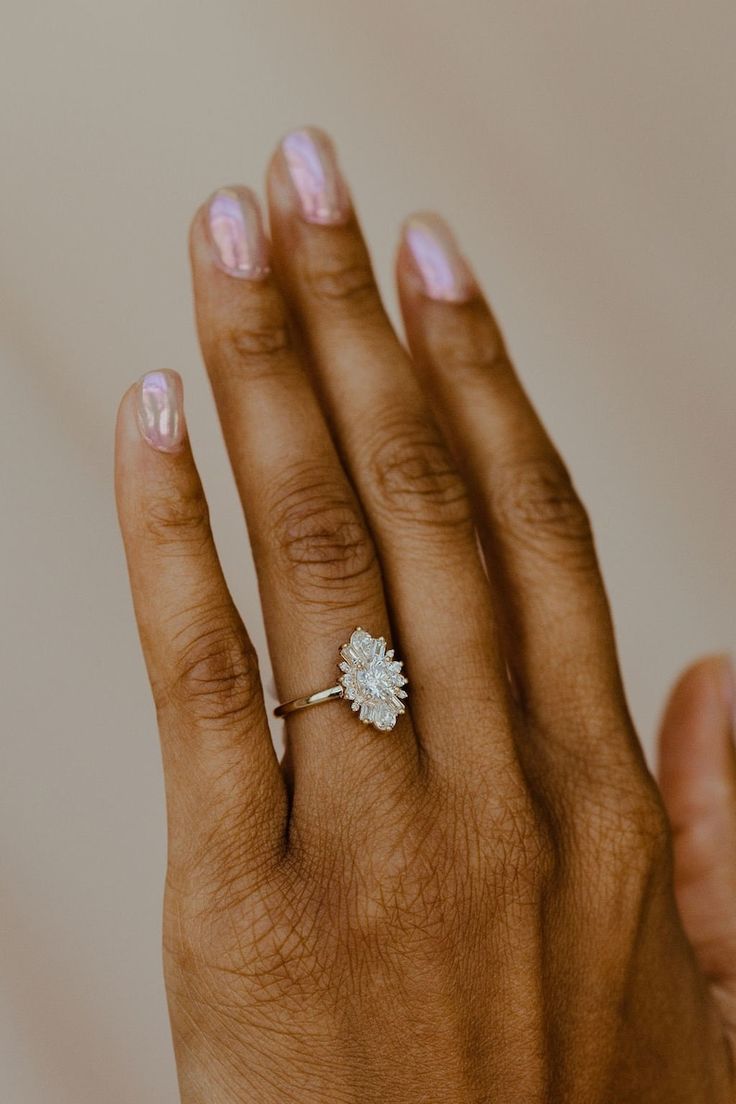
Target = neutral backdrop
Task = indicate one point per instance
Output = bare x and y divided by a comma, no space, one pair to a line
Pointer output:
585,153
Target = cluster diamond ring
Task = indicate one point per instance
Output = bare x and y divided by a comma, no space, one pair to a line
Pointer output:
371,681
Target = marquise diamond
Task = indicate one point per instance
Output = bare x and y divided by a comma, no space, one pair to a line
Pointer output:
372,680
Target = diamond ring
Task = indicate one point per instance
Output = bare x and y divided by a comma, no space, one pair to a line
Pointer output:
371,681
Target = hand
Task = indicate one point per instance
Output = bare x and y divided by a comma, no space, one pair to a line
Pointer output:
481,904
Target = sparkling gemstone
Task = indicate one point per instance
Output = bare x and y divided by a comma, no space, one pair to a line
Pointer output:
372,680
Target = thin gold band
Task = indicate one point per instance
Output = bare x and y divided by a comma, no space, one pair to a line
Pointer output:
312,699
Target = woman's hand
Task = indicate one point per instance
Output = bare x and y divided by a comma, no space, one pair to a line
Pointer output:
479,905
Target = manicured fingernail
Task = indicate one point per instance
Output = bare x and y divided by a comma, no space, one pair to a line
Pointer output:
236,230
443,270
161,410
322,192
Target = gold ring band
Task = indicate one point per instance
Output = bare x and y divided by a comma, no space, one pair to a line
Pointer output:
312,699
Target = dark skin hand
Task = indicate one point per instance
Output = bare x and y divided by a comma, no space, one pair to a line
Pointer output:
493,901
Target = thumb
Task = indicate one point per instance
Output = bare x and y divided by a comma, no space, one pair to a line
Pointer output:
697,777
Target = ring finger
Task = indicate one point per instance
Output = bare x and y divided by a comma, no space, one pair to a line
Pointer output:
536,531
416,502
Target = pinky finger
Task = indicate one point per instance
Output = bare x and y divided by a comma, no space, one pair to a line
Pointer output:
220,768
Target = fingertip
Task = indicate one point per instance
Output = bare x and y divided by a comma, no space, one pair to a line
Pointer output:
704,691
279,188
127,438
696,747
304,178
408,279
719,665
159,410
125,418
197,236
227,236
150,433
430,261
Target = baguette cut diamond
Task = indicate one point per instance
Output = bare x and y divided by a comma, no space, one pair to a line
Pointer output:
372,680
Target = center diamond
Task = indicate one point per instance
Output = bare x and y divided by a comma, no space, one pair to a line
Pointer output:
372,680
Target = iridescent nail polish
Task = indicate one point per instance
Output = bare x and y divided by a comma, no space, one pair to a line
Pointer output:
444,272
321,191
161,410
236,232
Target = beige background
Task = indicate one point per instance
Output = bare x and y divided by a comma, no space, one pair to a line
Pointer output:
584,152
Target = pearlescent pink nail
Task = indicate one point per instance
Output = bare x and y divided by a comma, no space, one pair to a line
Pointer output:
443,269
161,410
236,230
322,192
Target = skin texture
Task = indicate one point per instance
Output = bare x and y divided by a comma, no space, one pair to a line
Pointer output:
495,901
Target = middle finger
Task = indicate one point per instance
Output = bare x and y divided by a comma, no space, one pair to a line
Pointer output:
415,500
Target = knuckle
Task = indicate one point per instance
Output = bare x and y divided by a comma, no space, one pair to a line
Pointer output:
321,536
257,342
343,279
519,849
416,478
233,862
645,822
528,854
186,953
178,519
215,671
629,826
471,348
536,503
227,857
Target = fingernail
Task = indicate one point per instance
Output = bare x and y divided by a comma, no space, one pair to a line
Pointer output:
161,410
322,192
443,270
236,230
